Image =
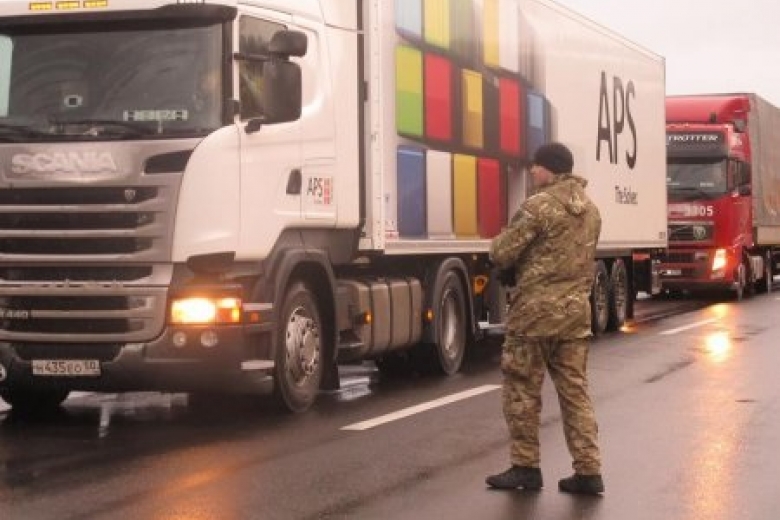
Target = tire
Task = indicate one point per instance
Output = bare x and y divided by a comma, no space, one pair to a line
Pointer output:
741,276
764,284
34,400
599,299
299,351
446,355
618,295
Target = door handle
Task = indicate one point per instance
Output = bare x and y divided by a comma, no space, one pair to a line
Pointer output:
294,182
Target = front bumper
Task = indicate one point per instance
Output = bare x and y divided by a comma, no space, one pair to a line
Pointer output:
176,361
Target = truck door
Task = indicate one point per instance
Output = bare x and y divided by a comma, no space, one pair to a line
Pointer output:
271,176
739,184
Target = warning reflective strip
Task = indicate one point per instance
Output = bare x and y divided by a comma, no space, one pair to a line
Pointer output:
423,407
687,327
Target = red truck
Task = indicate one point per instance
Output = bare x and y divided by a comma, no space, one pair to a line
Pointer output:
723,185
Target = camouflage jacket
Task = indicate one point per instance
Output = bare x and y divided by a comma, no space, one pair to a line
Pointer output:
551,241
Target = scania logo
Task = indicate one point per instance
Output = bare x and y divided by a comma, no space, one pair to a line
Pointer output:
130,195
63,162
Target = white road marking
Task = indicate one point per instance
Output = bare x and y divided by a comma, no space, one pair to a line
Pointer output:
687,327
423,407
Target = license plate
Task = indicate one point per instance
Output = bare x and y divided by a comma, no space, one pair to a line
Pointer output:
671,272
66,367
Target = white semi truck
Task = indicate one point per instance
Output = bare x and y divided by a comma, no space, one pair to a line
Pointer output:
237,195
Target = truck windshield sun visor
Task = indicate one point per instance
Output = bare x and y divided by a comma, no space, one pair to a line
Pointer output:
182,14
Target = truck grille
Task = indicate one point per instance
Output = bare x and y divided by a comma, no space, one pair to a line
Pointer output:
88,264
691,232
678,258
99,221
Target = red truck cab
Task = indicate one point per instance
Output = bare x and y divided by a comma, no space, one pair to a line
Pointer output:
712,239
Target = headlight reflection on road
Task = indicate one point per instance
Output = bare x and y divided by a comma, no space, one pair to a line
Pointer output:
720,310
718,346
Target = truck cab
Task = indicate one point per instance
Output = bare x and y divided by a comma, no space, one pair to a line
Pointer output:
712,244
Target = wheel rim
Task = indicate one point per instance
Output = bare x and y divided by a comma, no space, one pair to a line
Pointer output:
602,301
620,288
740,281
449,333
302,346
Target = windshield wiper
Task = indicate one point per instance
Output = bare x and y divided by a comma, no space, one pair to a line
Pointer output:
15,132
105,127
693,192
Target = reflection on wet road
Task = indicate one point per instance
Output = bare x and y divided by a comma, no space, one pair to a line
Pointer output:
686,407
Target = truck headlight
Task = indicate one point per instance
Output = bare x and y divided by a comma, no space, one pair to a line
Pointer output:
720,261
205,311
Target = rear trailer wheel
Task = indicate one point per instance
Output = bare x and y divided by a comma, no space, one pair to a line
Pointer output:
446,354
34,400
599,299
618,295
299,350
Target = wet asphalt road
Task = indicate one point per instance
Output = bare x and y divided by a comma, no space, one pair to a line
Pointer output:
687,406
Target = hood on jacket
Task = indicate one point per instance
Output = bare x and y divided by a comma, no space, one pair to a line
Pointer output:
569,190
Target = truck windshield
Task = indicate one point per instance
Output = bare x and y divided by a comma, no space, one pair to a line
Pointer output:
103,81
697,178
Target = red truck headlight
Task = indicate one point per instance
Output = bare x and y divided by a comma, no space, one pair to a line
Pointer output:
720,261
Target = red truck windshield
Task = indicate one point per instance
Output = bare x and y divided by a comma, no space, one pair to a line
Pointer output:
696,179
96,81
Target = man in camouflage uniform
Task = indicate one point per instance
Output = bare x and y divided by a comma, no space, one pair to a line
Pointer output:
550,244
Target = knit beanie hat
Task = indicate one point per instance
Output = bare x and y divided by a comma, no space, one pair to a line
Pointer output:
556,157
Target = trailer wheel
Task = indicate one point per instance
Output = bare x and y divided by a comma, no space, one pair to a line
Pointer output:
447,352
599,299
34,400
765,285
618,295
299,351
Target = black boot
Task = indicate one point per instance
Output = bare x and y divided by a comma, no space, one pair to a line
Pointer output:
582,484
517,477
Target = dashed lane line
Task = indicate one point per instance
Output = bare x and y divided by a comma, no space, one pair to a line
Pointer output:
420,408
687,327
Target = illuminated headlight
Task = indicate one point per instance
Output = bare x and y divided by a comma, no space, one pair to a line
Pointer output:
720,261
205,311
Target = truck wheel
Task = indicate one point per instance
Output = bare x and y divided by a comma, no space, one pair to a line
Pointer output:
765,285
599,299
299,352
446,354
741,282
34,399
618,295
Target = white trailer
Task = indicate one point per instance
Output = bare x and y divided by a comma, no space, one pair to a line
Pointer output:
235,195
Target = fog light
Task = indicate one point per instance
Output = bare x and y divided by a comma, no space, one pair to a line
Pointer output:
209,339
179,340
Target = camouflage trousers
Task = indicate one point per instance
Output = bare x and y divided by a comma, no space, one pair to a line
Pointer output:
523,363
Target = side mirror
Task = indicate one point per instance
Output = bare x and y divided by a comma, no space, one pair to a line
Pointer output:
288,43
282,96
